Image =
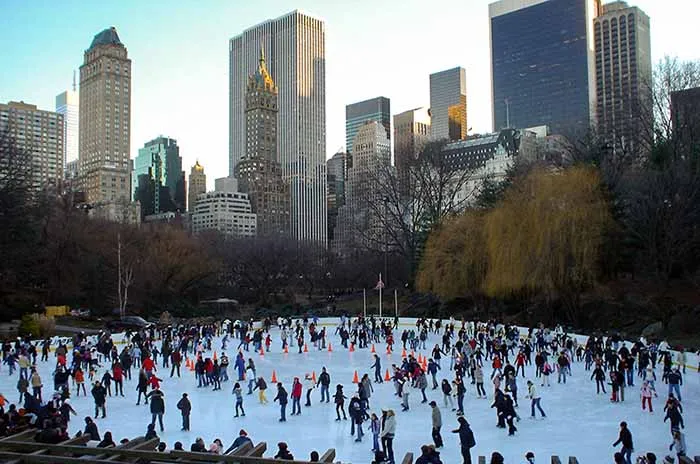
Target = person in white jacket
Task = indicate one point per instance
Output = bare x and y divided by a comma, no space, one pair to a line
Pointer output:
388,423
534,400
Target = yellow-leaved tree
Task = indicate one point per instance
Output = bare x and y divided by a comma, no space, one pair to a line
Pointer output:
546,236
454,262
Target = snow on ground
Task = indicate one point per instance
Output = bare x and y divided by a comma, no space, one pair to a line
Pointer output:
579,422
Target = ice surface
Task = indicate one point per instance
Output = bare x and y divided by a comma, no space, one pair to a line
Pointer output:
579,422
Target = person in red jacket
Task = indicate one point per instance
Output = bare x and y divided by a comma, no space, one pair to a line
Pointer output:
175,360
154,382
296,397
520,363
497,364
149,366
118,377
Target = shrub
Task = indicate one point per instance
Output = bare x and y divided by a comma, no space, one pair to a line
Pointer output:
29,326
47,325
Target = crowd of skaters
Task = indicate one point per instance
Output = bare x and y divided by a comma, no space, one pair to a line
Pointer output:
470,347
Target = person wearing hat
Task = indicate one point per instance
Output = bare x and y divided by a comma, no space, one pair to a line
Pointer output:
466,439
530,457
496,458
428,455
437,424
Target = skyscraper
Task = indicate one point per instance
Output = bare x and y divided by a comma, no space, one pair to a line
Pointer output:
411,133
357,114
448,104
542,64
197,185
337,170
37,133
259,172
357,220
105,120
158,180
623,73
295,49
67,104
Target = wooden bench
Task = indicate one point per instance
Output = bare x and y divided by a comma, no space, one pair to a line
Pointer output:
408,459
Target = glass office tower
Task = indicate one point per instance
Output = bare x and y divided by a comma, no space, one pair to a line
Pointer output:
542,63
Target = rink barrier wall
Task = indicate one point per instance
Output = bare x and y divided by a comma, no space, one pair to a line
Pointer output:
22,448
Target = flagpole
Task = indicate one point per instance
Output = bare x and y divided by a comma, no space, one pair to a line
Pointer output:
364,301
380,295
396,304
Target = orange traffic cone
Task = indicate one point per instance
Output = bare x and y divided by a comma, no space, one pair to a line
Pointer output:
215,357
274,377
330,349
387,377
306,348
413,355
355,378
352,347
403,353
388,349
313,376
420,359
372,351
262,352
286,349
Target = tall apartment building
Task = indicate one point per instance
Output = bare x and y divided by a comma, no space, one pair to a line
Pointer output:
542,64
295,55
197,185
685,118
157,179
37,133
448,104
357,114
623,74
411,133
105,120
68,104
259,173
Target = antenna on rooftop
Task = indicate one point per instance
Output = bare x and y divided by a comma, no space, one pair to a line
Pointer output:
74,80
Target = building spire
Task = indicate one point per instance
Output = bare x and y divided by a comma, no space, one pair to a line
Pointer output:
262,55
74,80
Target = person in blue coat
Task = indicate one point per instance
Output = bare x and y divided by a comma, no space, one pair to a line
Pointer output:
240,366
377,366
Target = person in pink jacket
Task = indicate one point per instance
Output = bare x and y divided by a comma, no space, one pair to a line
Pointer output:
647,391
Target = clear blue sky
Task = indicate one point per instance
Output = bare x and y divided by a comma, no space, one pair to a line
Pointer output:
179,51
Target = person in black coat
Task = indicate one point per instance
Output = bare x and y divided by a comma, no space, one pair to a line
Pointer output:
282,397
185,408
107,441
99,393
157,406
466,439
625,438
142,387
499,403
509,414
151,432
91,429
283,452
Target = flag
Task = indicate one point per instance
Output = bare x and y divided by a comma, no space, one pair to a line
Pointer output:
380,284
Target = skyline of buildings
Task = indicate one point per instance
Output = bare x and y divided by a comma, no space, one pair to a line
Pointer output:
295,54
448,104
284,122
357,114
105,120
542,64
